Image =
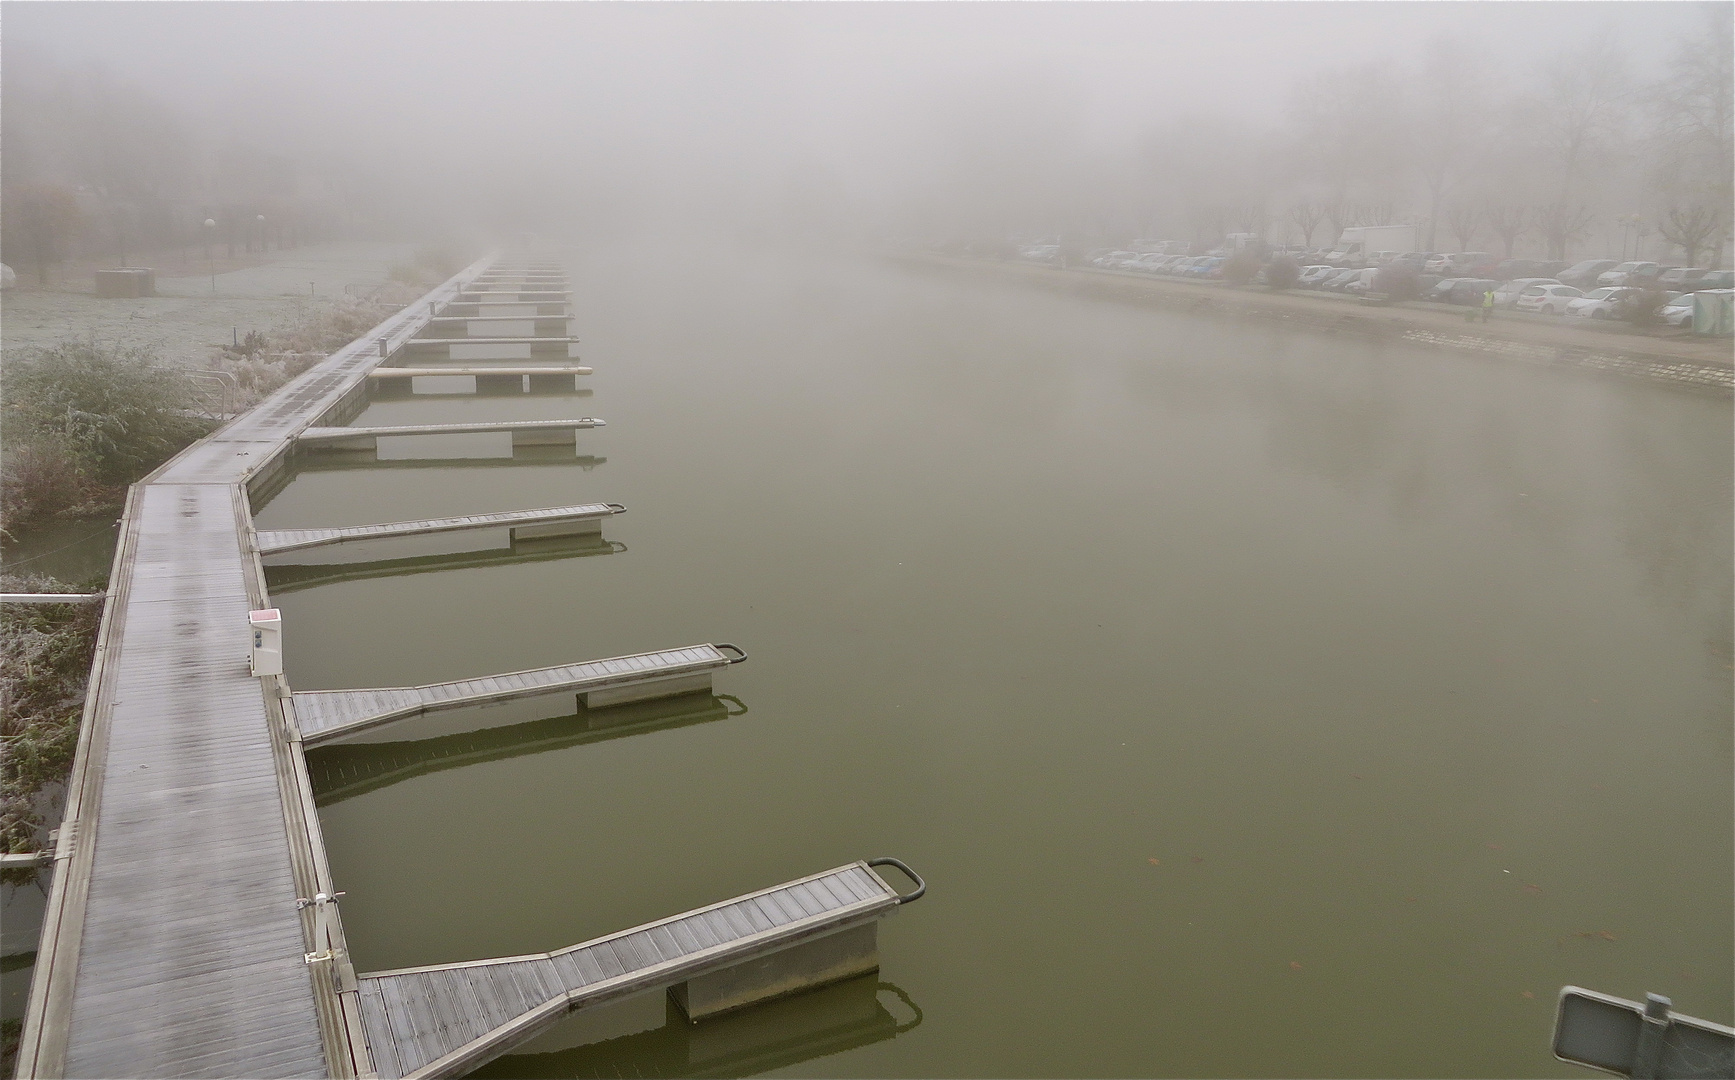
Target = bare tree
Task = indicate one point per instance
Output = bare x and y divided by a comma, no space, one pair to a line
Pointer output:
1449,103
1580,114
1693,229
1508,222
1306,216
1692,111
1563,225
1372,213
40,219
1465,221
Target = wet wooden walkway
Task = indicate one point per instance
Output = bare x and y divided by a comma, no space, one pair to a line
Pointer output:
188,929
447,1019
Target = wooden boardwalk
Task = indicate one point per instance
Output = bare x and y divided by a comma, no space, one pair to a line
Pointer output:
323,715
447,1019
171,942
188,931
285,540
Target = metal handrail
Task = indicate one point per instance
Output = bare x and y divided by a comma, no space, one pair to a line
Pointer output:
725,645
921,886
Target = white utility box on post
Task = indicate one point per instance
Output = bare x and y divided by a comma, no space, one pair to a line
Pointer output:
267,653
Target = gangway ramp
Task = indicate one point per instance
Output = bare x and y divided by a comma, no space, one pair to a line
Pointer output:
525,524
447,1019
524,432
324,715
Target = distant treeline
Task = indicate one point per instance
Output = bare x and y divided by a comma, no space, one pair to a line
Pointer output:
1568,155
94,168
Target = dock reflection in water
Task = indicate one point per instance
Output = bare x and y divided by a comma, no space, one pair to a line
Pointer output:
346,770
798,1029
307,570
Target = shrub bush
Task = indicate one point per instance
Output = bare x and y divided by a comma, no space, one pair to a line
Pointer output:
1282,272
1641,309
1239,268
45,655
116,412
1397,282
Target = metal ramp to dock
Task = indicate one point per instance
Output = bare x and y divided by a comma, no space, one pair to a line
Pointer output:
323,715
525,524
523,432
446,1019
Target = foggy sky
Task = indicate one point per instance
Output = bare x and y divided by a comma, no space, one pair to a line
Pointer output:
681,107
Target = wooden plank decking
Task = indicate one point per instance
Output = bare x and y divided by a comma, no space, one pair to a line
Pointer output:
368,437
446,1019
323,715
174,943
171,944
285,540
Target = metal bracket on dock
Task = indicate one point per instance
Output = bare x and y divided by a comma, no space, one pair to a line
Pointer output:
321,903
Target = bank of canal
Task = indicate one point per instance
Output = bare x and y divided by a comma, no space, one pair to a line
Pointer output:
1255,703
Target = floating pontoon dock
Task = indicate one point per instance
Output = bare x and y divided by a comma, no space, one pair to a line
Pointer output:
192,929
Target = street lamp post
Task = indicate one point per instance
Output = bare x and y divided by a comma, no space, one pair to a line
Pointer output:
210,228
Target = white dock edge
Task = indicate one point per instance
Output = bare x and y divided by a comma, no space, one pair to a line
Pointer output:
447,1019
324,715
525,524
524,433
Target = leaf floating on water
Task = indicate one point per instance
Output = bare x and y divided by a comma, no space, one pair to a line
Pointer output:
1605,935
1295,965
1492,846
1527,995
1198,858
1155,862
1411,899
1534,890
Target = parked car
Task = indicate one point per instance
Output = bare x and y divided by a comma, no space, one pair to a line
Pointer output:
1112,260
1715,279
1678,276
1551,299
1438,263
1210,267
1583,275
1311,276
1650,279
1601,303
1618,275
1467,292
1424,283
1337,281
1679,311
1512,269
1507,295
1362,283
1441,291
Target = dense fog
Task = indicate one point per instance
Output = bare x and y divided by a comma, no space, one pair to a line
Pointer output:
1559,123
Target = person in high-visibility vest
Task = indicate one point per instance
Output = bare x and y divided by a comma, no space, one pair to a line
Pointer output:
1487,304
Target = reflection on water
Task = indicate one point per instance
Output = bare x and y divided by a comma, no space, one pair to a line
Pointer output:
284,579
779,1035
1208,671
346,770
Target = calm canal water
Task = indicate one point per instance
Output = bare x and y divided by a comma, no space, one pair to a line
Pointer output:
1255,703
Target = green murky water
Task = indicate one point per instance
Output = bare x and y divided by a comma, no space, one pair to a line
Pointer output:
1255,703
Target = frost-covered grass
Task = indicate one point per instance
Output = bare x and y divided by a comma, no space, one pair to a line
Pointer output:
45,656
